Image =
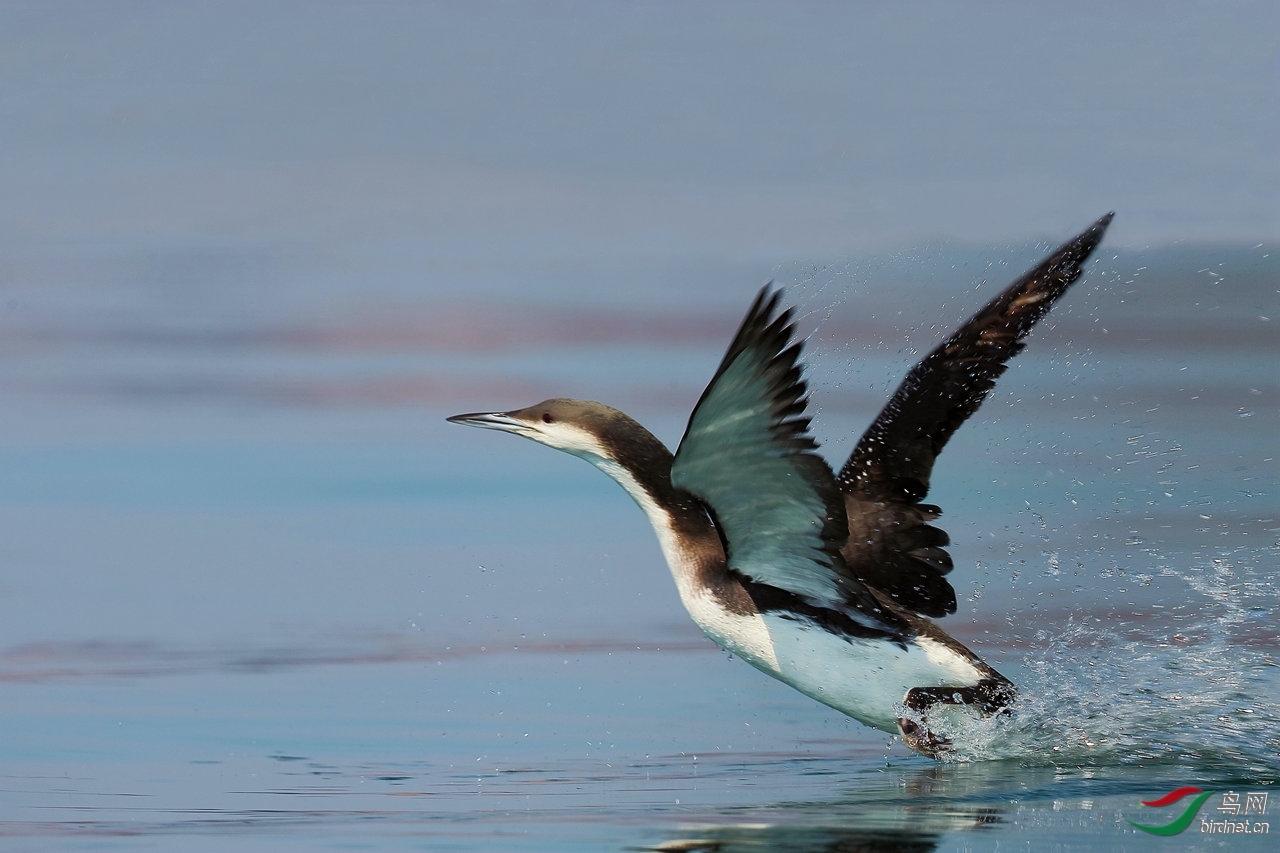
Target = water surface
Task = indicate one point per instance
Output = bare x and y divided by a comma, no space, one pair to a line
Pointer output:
257,592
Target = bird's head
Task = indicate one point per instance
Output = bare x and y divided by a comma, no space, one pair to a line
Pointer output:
581,427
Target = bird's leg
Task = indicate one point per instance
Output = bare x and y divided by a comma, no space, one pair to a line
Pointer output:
990,696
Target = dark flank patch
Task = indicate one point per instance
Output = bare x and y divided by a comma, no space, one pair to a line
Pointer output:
788,605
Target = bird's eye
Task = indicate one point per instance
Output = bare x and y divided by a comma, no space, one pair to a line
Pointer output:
546,417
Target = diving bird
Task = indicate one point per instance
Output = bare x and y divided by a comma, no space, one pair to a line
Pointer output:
826,581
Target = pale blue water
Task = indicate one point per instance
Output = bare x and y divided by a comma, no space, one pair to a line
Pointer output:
256,594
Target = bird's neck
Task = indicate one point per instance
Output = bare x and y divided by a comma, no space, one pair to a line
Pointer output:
689,539
642,466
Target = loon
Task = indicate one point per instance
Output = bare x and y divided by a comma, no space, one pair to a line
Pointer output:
825,581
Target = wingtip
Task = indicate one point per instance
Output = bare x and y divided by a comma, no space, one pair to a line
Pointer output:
766,319
766,301
1080,247
1099,227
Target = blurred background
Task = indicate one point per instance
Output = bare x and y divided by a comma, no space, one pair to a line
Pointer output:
252,254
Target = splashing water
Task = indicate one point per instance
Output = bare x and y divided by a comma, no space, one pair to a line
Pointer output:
1096,694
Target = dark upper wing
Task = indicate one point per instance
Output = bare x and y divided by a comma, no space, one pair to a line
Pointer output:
747,454
891,546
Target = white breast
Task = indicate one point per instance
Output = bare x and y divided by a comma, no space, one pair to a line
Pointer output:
863,678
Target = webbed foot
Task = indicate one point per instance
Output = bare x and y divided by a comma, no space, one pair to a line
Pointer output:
990,696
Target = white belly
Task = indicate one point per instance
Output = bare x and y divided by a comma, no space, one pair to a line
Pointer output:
865,679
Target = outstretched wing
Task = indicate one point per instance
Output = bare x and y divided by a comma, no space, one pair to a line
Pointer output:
891,546
748,456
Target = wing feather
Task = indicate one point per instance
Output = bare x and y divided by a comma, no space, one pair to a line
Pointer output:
891,546
748,456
